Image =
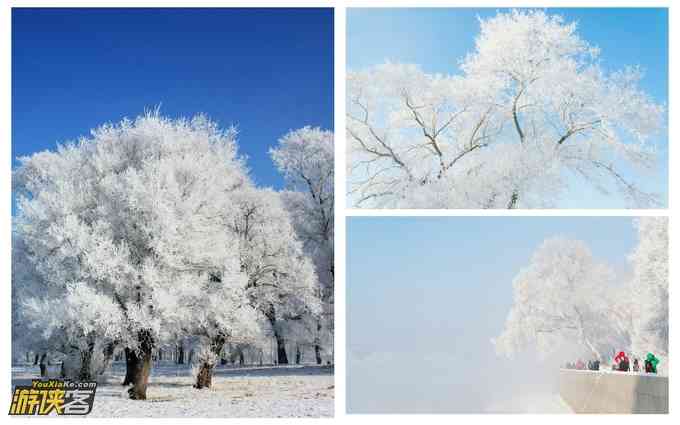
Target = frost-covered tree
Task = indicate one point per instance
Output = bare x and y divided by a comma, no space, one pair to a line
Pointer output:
216,310
306,159
562,299
649,289
26,285
125,218
281,282
530,110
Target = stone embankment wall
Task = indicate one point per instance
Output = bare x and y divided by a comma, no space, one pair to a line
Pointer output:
613,392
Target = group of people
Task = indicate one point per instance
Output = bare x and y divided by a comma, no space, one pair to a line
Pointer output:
620,363
581,365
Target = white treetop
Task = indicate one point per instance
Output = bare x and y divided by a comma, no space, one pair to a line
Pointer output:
561,299
280,279
132,226
530,110
649,288
306,159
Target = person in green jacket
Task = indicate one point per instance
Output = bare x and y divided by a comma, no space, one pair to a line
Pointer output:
650,363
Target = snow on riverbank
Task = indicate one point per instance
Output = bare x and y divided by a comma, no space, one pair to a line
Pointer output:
267,391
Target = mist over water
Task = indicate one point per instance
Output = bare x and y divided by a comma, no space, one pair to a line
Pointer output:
416,382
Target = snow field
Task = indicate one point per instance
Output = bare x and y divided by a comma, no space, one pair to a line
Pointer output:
266,391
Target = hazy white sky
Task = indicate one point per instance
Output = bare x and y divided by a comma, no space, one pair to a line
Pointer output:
425,295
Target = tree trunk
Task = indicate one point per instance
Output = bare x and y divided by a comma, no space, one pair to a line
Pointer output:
298,354
513,200
108,351
141,365
128,367
207,365
43,365
85,372
204,377
317,353
35,360
281,349
317,346
180,353
241,358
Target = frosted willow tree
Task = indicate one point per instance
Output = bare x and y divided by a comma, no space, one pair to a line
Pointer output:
131,217
281,282
306,159
530,112
649,288
562,299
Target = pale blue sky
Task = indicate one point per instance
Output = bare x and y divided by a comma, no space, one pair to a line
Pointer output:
437,39
427,293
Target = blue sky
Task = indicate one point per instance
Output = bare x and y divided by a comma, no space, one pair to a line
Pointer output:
427,292
437,39
266,70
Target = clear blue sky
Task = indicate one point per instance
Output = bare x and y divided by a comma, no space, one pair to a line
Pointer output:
425,294
266,70
437,39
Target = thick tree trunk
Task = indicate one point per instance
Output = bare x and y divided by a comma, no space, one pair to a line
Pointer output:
207,365
204,377
141,365
281,349
43,365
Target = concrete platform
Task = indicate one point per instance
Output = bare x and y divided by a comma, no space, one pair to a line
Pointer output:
588,391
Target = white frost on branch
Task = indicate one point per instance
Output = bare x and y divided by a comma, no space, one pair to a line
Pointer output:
530,108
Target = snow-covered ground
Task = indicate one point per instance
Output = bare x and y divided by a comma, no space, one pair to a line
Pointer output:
267,391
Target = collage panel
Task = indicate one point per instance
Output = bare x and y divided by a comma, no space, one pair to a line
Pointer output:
479,108
517,314
172,213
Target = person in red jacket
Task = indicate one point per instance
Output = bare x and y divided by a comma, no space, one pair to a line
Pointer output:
622,361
